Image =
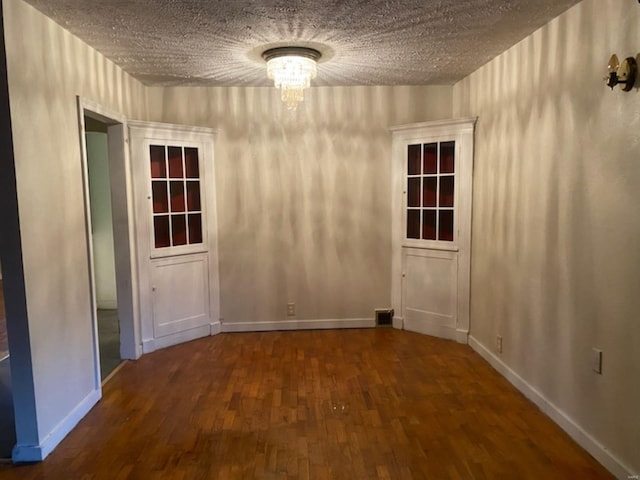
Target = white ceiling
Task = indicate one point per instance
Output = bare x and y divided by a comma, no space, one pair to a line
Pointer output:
363,42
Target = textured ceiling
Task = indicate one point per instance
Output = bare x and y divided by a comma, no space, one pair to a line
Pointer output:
364,42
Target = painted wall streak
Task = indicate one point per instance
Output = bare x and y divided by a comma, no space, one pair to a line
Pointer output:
555,230
303,197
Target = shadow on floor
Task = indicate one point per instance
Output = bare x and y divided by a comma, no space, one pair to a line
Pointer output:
7,423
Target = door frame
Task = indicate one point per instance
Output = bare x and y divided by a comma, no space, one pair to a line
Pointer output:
123,229
462,130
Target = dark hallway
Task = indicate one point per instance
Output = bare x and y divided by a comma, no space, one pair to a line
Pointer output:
7,425
4,343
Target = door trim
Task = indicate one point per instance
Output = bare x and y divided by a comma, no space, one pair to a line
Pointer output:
123,229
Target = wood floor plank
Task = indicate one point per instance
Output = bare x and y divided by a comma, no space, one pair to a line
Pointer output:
348,404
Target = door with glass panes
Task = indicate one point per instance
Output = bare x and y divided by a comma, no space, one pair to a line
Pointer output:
432,169
176,231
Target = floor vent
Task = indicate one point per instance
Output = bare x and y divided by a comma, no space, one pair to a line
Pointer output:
384,318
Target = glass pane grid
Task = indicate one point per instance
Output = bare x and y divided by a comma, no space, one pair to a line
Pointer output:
430,191
176,195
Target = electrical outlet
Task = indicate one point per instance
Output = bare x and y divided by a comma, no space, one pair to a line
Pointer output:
498,343
291,309
596,360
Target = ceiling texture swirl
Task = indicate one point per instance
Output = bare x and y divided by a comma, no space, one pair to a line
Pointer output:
363,42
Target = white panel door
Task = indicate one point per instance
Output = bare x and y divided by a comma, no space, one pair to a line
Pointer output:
431,221
176,233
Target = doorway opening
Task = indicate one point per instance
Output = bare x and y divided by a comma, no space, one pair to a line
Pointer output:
110,237
104,270
4,339
7,420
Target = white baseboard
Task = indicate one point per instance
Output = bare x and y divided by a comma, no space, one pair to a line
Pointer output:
431,328
36,453
216,328
126,352
298,325
154,344
575,431
462,336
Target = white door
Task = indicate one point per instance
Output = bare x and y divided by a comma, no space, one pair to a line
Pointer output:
432,172
175,216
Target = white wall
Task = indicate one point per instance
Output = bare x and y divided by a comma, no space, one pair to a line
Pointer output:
303,197
47,67
101,220
555,257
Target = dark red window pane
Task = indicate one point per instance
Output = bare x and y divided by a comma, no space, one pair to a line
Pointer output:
413,223
193,196
179,229
158,161
445,230
195,228
413,162
447,157
160,199
175,162
161,231
429,191
446,191
429,224
413,192
191,162
430,158
177,196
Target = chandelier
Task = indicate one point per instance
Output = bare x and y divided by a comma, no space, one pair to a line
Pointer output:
291,69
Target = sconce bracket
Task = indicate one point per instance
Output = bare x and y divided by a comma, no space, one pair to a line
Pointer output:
627,73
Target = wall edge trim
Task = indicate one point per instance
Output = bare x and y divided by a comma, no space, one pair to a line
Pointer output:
564,421
298,325
153,344
216,328
37,453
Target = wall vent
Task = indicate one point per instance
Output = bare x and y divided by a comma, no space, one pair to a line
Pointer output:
384,318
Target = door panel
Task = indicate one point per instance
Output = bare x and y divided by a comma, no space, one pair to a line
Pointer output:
429,303
180,294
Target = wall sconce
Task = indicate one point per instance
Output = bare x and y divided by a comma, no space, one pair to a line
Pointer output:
623,74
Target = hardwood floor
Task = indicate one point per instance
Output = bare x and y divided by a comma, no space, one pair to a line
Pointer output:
348,404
